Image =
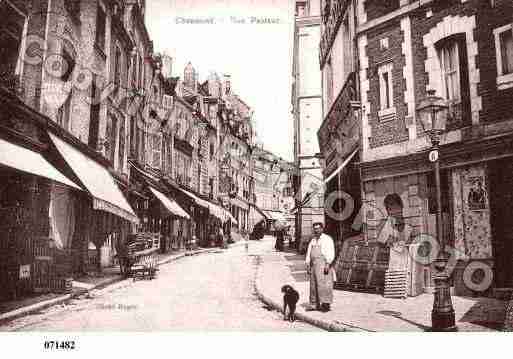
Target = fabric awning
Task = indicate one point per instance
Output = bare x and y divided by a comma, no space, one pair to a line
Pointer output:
98,181
215,210
277,216
199,201
341,167
230,216
26,160
169,204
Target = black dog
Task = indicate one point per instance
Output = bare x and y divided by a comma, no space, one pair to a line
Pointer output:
290,299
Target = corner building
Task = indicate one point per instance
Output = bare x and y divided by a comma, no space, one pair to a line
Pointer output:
464,51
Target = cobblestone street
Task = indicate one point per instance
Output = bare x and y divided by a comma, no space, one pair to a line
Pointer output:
206,292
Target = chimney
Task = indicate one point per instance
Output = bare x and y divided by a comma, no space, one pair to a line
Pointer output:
227,85
167,66
190,77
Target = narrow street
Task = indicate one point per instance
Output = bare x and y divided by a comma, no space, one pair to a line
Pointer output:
206,292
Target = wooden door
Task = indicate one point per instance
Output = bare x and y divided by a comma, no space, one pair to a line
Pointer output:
501,205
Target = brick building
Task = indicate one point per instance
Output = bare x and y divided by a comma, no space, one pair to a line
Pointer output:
464,51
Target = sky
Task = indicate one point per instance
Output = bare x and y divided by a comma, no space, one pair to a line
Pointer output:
258,56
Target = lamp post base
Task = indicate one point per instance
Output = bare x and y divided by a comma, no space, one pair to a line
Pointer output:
443,322
442,315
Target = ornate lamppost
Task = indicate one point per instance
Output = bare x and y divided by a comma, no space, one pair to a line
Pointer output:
432,112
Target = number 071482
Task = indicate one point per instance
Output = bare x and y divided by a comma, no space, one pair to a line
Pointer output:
59,345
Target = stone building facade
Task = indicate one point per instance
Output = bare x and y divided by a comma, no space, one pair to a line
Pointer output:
90,150
307,114
456,49
462,49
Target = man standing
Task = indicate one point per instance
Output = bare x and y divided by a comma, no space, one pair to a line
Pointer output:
319,256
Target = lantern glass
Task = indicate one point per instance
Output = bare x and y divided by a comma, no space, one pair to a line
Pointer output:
432,113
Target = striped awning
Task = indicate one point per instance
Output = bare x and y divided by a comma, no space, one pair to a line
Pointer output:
173,207
97,180
215,210
25,160
276,216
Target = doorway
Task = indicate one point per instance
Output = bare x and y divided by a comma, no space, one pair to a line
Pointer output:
501,206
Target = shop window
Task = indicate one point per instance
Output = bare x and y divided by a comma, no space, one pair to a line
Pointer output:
100,27
504,55
386,92
11,34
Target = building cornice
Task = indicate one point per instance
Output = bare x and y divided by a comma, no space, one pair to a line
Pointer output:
401,12
451,155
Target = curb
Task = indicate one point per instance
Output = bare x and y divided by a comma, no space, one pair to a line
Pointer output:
23,311
323,324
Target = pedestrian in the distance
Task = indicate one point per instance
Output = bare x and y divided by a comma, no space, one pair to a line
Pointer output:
319,257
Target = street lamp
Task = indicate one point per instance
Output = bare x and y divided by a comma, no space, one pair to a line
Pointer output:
432,112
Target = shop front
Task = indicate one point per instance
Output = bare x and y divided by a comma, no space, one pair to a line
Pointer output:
106,217
476,210
158,209
31,238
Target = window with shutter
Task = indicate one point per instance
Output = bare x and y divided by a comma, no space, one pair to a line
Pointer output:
504,56
452,56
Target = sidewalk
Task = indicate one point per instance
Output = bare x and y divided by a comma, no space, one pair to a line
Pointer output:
353,311
81,286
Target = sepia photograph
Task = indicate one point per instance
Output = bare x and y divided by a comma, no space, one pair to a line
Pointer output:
255,166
